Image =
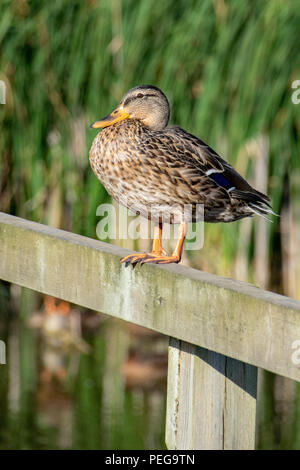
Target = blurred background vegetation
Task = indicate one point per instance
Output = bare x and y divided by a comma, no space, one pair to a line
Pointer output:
227,67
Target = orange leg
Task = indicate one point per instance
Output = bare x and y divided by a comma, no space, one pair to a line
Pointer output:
157,249
158,254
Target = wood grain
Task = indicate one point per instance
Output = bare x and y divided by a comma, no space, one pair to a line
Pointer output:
211,400
233,318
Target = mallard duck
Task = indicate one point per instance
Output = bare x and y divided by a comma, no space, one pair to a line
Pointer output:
157,171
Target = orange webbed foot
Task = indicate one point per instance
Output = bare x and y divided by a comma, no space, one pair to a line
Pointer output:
134,258
151,258
158,255
162,259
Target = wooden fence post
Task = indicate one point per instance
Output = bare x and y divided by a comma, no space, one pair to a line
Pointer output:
211,401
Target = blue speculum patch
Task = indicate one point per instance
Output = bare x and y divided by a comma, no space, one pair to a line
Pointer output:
221,180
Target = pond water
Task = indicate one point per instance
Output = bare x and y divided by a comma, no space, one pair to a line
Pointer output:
77,379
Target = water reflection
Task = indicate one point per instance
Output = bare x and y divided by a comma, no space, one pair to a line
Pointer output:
77,379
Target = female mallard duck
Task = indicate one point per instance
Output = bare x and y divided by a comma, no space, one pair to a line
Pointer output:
159,171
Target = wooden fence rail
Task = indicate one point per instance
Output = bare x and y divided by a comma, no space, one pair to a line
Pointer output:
220,330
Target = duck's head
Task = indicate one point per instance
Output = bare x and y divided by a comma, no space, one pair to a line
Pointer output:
145,103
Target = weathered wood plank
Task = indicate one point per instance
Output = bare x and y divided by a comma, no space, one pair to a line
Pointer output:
211,400
226,316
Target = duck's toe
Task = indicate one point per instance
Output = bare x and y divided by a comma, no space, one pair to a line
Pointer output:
150,258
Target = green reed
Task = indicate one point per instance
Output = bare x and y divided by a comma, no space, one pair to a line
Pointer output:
227,68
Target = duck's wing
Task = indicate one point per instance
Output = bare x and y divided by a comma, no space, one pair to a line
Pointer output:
198,155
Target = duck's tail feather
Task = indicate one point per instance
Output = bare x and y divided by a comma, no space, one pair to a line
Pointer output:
259,209
257,202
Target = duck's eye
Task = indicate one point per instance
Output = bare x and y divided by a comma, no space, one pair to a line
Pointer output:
140,95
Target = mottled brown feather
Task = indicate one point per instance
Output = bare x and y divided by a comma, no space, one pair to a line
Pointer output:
167,167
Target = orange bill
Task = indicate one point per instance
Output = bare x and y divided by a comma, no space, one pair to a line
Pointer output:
117,115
